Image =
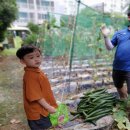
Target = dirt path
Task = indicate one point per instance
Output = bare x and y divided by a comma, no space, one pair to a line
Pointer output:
11,105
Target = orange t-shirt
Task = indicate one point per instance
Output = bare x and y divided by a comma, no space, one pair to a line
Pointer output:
35,87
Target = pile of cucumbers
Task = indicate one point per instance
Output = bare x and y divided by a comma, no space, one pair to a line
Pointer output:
95,104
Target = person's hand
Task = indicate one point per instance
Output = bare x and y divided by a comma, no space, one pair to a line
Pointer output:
52,110
105,31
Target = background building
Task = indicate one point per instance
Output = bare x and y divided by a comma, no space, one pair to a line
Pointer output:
35,11
120,6
63,7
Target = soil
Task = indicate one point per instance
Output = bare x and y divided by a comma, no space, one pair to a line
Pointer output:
12,116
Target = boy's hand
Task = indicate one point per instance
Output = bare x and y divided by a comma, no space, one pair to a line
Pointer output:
47,106
105,31
51,110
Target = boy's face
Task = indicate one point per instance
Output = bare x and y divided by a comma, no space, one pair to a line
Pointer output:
33,59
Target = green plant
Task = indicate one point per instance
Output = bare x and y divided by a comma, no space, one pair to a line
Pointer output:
8,13
33,27
121,114
31,39
8,52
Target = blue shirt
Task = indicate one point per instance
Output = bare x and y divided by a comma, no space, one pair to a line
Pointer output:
121,40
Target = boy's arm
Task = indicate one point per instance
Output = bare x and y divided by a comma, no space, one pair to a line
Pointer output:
47,106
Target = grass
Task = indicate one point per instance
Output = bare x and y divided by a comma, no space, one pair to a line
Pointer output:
8,52
12,51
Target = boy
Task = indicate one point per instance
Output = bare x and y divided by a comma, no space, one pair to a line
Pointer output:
38,96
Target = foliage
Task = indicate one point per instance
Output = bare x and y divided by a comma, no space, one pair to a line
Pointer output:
52,23
8,52
8,13
31,39
33,27
56,42
37,35
64,20
88,41
67,21
121,114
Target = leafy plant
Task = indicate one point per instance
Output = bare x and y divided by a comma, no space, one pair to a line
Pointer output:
31,39
8,13
121,114
33,27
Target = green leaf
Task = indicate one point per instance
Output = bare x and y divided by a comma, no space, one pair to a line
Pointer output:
114,109
119,116
127,123
121,126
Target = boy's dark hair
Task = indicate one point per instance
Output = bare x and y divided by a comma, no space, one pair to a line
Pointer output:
26,49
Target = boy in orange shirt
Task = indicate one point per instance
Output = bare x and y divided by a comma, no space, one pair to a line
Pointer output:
38,97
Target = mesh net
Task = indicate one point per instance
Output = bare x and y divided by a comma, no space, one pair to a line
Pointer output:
88,41
92,63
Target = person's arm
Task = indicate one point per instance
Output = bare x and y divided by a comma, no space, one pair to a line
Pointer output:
47,106
108,44
105,32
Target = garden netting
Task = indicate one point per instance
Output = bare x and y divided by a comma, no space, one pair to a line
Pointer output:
87,39
75,48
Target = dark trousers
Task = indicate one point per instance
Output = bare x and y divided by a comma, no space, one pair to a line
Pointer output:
120,77
42,124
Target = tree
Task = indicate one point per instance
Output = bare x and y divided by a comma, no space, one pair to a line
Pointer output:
8,13
33,27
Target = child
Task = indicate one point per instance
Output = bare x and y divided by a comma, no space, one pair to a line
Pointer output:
38,96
